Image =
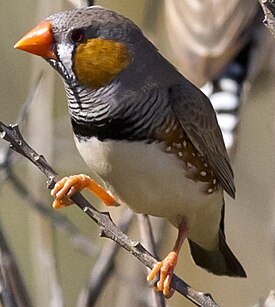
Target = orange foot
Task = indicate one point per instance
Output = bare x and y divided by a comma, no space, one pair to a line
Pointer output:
67,186
165,268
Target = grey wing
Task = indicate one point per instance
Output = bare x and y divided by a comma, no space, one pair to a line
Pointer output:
197,117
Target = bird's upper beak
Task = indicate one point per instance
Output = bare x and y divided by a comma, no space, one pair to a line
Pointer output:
38,41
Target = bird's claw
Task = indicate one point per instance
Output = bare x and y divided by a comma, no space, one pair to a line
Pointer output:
67,186
166,269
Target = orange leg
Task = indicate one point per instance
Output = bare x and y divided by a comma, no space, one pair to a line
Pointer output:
167,265
67,186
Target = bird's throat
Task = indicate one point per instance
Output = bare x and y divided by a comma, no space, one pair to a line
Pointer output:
98,61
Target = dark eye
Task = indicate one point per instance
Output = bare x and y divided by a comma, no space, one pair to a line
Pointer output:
77,36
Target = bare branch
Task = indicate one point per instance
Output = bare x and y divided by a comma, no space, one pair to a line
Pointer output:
7,156
108,228
269,11
24,112
13,291
147,238
103,268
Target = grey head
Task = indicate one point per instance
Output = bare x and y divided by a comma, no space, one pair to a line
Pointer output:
96,21
69,27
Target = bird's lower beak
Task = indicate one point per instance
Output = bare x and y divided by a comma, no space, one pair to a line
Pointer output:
38,41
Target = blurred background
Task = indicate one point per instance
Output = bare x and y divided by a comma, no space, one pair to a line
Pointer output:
223,47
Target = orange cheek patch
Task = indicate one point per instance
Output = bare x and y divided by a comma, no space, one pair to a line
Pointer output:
98,61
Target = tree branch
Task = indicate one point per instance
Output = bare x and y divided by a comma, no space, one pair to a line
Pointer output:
147,238
269,11
108,228
103,268
13,291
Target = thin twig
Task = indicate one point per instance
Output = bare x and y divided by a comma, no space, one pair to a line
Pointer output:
12,289
146,232
108,228
7,156
24,111
147,238
104,267
268,7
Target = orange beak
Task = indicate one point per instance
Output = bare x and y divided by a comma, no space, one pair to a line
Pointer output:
38,41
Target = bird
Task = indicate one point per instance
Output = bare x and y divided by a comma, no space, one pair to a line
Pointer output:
217,53
148,132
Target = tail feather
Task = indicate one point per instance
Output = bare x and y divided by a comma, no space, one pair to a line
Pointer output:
220,262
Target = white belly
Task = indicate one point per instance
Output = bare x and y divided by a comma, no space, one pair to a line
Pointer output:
153,182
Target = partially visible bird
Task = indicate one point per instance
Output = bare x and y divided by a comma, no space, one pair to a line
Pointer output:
213,42
224,93
207,35
148,132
